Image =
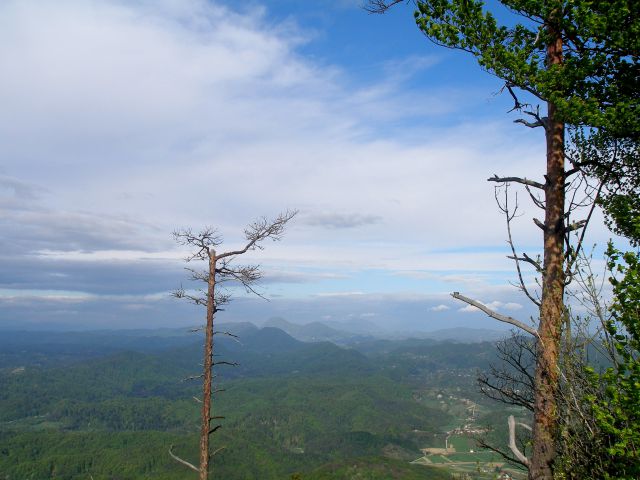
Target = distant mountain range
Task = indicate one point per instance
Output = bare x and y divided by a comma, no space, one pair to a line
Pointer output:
276,335
314,331
466,335
346,333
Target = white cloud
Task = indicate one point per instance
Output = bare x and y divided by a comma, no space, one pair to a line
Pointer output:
123,120
339,294
142,108
339,220
495,305
512,306
469,308
440,308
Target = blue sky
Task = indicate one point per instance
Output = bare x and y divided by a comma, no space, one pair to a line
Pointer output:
124,120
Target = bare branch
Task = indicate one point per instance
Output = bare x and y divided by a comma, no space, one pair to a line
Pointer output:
537,201
575,225
380,6
578,166
503,388
525,426
225,362
203,241
217,450
574,253
484,444
261,230
539,120
516,101
181,293
504,207
496,315
535,124
198,275
221,298
523,181
245,275
539,224
228,334
528,259
522,107
184,462
512,442
512,381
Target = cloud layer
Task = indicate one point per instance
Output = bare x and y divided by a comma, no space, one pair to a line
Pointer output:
123,120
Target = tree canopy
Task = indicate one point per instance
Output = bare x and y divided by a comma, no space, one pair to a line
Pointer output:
596,83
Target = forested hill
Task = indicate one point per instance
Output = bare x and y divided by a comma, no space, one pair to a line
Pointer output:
96,404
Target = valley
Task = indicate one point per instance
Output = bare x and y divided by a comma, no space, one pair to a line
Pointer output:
105,406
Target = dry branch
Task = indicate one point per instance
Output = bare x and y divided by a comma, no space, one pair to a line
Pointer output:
184,462
539,224
522,180
536,124
576,225
510,215
512,382
494,314
380,6
512,442
528,259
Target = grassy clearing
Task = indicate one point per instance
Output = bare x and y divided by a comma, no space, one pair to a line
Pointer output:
462,443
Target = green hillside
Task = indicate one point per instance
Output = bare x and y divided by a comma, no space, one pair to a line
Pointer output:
312,409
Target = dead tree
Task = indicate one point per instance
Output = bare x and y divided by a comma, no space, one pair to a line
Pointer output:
220,270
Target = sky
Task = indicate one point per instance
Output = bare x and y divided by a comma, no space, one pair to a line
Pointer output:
124,120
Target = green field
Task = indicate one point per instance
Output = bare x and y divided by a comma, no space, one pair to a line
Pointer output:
468,458
462,443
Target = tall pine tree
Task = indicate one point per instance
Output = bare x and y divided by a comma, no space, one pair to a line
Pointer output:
580,58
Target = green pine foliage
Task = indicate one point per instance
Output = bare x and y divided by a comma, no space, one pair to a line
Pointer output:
597,83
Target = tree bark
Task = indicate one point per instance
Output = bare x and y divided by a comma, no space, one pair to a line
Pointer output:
552,310
208,371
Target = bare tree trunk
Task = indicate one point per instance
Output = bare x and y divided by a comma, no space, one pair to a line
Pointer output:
208,371
552,310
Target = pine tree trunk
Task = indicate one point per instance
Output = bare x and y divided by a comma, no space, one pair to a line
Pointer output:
552,310
207,379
